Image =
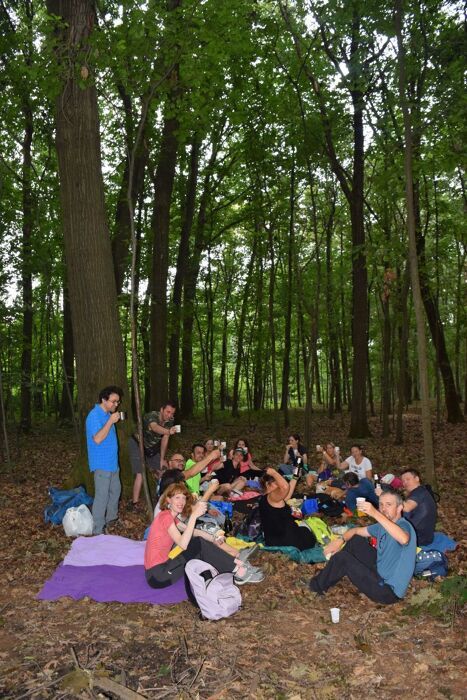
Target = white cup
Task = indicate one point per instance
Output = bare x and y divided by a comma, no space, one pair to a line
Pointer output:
223,445
318,448
360,502
178,428
335,614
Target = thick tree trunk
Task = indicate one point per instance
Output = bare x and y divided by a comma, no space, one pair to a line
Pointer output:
163,186
272,334
97,338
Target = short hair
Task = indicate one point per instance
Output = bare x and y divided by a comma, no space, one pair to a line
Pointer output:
359,447
169,477
350,478
106,392
414,472
169,402
392,492
172,490
197,444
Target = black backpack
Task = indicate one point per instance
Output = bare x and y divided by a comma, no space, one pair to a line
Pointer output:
435,496
329,506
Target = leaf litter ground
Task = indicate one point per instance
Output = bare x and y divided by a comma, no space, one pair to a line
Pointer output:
280,645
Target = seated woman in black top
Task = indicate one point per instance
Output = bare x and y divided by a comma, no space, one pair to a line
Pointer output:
293,450
229,476
279,527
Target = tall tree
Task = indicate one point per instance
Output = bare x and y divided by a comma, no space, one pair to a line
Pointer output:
97,338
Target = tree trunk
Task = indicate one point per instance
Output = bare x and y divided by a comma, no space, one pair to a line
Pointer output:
97,338
163,186
225,322
413,257
26,272
66,403
241,331
272,335
182,265
288,305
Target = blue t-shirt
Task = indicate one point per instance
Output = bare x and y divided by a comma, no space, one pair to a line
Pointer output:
395,562
364,489
105,455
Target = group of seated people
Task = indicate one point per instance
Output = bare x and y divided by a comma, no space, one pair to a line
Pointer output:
382,572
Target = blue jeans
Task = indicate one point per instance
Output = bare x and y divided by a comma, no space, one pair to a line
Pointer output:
107,490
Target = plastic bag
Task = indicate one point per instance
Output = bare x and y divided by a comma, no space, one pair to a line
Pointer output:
78,521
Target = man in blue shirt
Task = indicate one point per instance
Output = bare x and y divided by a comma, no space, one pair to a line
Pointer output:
384,573
358,488
101,438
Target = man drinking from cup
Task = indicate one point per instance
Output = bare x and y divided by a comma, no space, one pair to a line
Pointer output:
158,426
383,574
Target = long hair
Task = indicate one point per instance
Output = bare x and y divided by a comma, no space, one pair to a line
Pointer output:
172,490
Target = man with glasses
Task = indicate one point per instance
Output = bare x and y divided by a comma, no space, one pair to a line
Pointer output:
101,438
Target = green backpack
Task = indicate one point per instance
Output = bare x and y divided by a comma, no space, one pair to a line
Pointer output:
320,529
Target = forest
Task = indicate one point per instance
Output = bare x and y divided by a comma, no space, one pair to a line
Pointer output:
230,182
255,209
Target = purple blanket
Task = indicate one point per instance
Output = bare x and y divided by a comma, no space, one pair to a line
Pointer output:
123,584
105,549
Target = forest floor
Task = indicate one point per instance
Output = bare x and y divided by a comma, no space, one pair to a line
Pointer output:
280,645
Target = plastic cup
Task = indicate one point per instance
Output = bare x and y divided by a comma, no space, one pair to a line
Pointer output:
360,502
335,615
178,428
122,415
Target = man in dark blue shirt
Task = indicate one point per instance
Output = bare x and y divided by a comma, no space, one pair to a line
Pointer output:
419,507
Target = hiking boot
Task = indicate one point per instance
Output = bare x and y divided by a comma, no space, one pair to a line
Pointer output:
246,553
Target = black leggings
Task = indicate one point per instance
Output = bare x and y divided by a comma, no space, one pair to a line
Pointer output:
357,561
163,575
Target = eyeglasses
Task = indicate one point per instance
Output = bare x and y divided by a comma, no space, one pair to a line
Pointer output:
115,403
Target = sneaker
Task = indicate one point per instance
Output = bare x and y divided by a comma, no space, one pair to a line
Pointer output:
246,552
249,576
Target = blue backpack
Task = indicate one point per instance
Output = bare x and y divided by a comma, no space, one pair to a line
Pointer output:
430,564
62,500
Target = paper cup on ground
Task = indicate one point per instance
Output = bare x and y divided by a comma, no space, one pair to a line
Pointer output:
335,615
178,428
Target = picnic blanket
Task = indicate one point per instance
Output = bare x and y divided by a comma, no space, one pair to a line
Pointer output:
107,568
306,556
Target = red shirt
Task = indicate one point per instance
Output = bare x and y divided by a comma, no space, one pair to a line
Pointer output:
159,542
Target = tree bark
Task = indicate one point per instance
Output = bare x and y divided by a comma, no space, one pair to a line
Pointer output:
413,257
182,266
163,186
66,403
97,338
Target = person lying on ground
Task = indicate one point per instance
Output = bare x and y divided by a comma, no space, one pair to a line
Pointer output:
383,574
294,450
357,463
279,527
230,479
355,488
158,426
419,507
247,468
160,569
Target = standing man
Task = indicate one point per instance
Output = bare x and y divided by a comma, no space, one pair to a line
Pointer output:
158,426
101,438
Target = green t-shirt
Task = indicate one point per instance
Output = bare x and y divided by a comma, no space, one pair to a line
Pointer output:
194,482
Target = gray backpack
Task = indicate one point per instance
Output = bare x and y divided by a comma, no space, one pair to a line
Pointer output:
215,594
